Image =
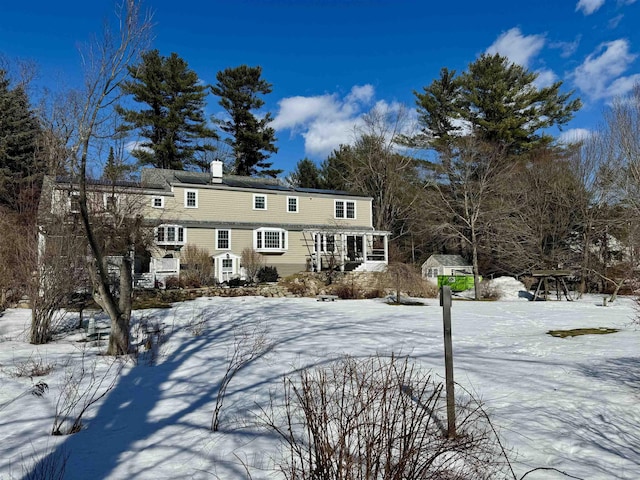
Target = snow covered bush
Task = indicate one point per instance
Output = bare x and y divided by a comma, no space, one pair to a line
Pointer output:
380,418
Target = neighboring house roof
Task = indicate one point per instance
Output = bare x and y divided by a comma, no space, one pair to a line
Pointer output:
156,176
448,260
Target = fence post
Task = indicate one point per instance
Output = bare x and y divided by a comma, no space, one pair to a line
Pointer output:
445,303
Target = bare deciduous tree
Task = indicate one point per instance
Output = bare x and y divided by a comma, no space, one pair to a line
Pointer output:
105,61
460,194
373,165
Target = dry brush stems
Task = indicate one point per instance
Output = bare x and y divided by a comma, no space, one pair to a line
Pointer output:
249,344
82,386
378,418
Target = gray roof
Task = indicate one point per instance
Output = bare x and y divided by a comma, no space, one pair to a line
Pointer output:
450,260
155,176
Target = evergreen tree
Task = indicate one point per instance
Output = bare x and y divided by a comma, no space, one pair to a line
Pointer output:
498,101
251,138
115,169
19,129
173,122
336,169
307,175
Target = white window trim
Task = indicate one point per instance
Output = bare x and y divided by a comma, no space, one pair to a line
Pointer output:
106,196
72,196
281,232
297,199
186,195
255,195
167,242
153,202
344,209
217,238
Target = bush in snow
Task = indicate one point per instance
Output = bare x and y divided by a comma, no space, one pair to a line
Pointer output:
380,418
267,274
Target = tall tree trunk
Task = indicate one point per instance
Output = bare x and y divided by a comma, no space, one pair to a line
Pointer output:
476,276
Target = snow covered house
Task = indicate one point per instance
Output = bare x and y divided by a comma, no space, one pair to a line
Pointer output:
450,265
292,229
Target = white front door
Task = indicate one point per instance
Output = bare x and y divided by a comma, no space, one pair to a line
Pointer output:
227,266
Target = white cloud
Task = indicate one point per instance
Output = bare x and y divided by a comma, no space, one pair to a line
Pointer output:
599,76
518,48
545,78
567,48
324,121
574,135
615,21
589,6
296,111
132,145
362,93
623,85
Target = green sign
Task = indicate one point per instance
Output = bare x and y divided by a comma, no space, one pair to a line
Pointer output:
458,283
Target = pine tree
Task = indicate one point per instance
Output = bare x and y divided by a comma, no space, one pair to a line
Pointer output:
306,175
115,169
251,138
19,129
499,102
173,122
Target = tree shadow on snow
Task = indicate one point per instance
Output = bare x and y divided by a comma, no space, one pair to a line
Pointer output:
123,426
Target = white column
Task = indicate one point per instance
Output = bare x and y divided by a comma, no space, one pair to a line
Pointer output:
343,251
386,249
318,250
364,248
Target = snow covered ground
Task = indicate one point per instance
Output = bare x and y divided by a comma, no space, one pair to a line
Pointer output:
568,403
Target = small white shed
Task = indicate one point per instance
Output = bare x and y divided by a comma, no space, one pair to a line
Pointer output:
445,265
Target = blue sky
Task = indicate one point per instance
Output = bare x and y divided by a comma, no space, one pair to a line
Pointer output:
331,61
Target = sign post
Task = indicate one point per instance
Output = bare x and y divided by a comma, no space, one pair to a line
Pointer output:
445,303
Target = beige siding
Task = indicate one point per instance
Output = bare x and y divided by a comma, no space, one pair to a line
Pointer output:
294,259
222,205
217,204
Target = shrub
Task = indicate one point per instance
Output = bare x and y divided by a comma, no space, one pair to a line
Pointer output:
408,280
379,418
375,293
237,282
196,266
172,283
267,274
346,291
33,367
252,262
488,291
